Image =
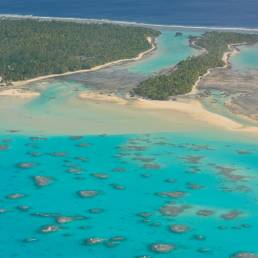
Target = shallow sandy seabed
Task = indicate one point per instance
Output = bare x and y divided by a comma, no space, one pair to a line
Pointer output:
192,108
113,115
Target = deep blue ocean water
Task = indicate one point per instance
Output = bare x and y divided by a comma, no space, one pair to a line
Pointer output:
235,13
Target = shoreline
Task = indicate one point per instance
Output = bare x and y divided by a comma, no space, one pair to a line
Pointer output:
232,50
140,56
193,108
132,23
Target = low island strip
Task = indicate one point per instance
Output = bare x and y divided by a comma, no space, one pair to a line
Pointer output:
186,75
35,49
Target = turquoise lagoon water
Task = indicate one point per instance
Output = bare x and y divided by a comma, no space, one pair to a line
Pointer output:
246,59
145,183
171,50
219,176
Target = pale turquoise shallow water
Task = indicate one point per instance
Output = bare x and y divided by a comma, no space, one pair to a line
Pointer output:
225,171
171,50
246,60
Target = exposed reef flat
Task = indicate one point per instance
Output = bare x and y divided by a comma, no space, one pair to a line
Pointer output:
241,88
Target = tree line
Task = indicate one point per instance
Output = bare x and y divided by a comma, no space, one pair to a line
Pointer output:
186,73
31,48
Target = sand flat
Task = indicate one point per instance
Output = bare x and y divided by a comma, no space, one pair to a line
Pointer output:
19,93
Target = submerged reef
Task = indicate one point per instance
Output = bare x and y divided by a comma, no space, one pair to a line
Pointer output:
162,247
88,193
179,228
41,181
108,202
49,229
25,165
244,255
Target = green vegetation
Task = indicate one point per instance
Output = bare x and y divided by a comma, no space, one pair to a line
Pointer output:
31,48
187,72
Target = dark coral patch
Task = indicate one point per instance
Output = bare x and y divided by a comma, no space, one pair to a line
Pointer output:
179,228
231,215
162,247
41,181
88,193
3,147
25,165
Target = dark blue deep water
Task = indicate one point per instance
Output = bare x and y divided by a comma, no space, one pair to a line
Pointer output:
235,13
